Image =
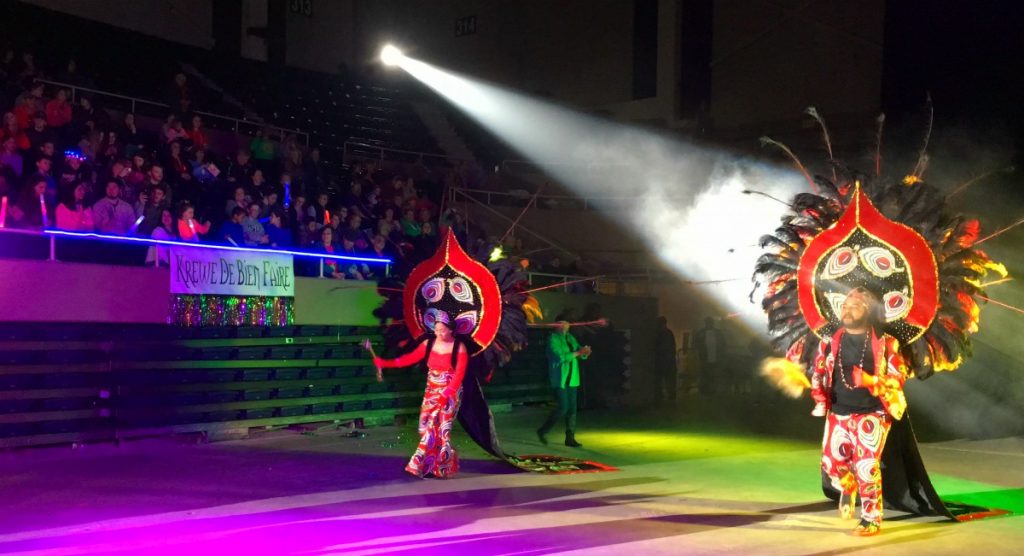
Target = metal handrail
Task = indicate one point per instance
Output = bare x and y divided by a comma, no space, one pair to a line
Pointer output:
52,235
420,155
534,200
135,101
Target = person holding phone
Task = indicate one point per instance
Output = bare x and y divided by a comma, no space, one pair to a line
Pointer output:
564,353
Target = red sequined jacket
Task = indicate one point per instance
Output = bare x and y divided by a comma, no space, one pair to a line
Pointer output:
886,383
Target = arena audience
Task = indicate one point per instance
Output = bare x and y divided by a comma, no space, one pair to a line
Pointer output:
108,174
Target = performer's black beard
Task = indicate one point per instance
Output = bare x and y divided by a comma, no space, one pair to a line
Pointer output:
856,324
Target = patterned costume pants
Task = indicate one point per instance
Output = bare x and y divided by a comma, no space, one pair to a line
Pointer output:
435,453
850,456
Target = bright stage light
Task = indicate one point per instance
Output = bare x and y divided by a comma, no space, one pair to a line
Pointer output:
391,55
689,209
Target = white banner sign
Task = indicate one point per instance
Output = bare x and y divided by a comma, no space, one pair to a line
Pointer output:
224,272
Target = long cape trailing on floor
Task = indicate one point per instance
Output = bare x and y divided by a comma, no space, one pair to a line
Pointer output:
488,308
899,239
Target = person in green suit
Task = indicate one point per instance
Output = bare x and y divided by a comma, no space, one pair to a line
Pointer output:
564,353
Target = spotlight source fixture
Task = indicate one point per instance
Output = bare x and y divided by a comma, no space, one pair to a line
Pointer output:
391,55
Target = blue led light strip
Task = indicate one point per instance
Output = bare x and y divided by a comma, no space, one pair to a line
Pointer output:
149,241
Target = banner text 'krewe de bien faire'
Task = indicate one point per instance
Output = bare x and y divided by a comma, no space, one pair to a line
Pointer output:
213,271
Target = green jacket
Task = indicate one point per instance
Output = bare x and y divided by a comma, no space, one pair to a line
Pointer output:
563,366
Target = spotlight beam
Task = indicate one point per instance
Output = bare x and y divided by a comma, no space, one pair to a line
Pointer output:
690,205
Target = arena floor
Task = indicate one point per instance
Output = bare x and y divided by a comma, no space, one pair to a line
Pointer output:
683,487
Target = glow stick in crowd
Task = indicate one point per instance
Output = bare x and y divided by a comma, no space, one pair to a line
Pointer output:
327,217
3,212
42,209
135,226
287,194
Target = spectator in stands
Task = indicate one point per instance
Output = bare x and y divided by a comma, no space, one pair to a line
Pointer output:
138,174
331,268
232,231
380,249
151,205
58,112
72,171
294,166
111,214
320,208
28,104
354,233
12,165
387,223
277,236
30,211
308,233
165,231
352,271
335,225
426,243
196,134
202,169
86,119
238,200
258,180
188,228
269,203
72,214
119,171
109,148
314,171
180,97
372,200
353,198
131,137
39,133
410,227
263,150
155,178
389,232
300,210
180,171
12,130
254,234
176,132
43,167
240,168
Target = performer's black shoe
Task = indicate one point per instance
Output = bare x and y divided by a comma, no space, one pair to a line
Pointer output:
570,441
540,436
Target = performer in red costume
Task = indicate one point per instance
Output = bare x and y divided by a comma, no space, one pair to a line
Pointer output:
446,363
870,281
464,319
857,382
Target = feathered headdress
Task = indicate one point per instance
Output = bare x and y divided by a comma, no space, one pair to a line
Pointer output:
898,239
485,304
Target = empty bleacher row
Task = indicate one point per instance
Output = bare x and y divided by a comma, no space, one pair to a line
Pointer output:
73,383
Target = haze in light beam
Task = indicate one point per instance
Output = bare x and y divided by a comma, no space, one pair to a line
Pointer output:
692,211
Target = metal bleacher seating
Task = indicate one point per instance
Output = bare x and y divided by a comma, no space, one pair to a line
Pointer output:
76,383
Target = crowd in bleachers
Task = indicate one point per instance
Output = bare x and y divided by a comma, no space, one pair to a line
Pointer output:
73,166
